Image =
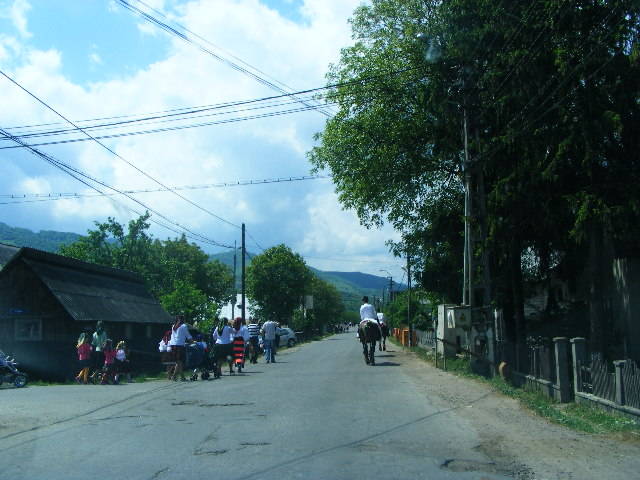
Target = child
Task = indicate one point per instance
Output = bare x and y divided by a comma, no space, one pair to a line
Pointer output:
84,356
122,364
109,361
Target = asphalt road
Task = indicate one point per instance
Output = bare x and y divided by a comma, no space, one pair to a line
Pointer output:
319,413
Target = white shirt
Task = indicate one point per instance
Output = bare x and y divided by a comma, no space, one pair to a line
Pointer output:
367,311
380,317
180,335
242,332
223,338
269,330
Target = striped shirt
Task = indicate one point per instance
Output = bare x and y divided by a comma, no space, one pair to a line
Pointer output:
254,329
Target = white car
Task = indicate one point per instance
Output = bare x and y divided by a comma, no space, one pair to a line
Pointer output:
287,337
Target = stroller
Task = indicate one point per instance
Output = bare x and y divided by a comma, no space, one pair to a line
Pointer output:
198,361
9,372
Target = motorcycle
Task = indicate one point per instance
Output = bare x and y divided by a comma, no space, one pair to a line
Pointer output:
9,371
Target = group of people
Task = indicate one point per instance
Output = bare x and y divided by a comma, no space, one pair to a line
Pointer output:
231,341
96,352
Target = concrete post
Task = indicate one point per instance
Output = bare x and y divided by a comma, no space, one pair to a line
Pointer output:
562,369
579,352
619,365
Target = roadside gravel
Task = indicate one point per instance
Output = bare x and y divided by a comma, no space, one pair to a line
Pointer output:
510,435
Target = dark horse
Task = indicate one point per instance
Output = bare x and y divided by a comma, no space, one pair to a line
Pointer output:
369,334
385,333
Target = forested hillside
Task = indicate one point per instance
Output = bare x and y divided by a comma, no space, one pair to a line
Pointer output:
43,240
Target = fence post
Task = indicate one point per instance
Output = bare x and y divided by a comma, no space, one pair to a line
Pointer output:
562,369
579,352
619,365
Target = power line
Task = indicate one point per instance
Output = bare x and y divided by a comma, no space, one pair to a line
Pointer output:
78,174
114,152
43,197
235,66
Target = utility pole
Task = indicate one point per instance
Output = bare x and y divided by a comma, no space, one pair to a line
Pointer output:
235,295
409,299
243,276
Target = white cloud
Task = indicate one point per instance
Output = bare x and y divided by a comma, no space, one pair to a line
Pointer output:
16,11
95,58
305,215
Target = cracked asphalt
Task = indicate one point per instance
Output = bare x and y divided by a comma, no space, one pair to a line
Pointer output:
318,413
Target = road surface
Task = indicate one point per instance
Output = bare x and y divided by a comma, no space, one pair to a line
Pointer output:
318,413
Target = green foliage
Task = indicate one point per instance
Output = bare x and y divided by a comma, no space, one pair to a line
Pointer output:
551,105
277,281
176,272
422,309
46,240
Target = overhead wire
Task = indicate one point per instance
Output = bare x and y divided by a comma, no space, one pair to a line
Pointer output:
43,197
115,153
235,66
84,178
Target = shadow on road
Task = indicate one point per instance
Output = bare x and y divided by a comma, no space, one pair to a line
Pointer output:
387,364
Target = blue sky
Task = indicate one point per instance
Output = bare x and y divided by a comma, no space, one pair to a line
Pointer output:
92,59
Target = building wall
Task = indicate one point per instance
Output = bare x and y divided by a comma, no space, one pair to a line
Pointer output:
42,336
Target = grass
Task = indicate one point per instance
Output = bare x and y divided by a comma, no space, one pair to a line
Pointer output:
579,417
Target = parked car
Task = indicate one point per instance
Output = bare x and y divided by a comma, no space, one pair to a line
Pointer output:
287,337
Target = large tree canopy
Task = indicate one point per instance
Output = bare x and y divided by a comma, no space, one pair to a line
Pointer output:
176,272
545,95
277,280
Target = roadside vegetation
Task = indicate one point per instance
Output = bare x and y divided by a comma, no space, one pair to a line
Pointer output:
583,418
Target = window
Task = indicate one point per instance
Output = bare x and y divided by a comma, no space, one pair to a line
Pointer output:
28,329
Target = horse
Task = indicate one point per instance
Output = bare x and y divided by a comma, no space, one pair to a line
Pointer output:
384,329
369,335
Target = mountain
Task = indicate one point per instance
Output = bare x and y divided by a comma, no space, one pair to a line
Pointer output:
47,240
351,285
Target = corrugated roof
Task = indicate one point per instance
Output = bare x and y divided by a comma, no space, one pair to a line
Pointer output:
6,253
91,292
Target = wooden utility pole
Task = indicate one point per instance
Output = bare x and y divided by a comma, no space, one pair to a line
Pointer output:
409,299
243,276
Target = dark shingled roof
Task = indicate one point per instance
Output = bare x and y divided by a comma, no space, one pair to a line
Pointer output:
90,292
6,253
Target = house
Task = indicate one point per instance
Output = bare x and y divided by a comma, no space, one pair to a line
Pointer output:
6,253
47,300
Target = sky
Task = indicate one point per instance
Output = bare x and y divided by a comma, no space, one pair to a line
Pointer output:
94,60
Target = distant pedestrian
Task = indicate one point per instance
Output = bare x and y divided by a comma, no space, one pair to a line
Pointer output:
109,362
276,341
223,346
84,356
268,331
122,362
179,337
98,340
240,339
254,334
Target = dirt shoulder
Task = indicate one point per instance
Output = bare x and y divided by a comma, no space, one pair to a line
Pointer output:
512,436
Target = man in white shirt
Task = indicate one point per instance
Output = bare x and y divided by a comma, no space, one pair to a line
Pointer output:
367,312
268,331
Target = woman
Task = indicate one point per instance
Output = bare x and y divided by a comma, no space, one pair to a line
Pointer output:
240,339
223,346
179,336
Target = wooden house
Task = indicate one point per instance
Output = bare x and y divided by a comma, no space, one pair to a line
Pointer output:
47,300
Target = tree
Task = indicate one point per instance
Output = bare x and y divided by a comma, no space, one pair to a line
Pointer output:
548,108
277,280
187,300
170,268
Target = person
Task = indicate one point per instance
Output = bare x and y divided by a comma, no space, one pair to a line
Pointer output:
384,330
122,363
240,339
109,361
268,331
223,346
97,342
276,341
166,356
368,312
254,333
179,336
84,356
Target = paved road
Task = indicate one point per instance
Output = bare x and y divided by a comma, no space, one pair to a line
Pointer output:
319,413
